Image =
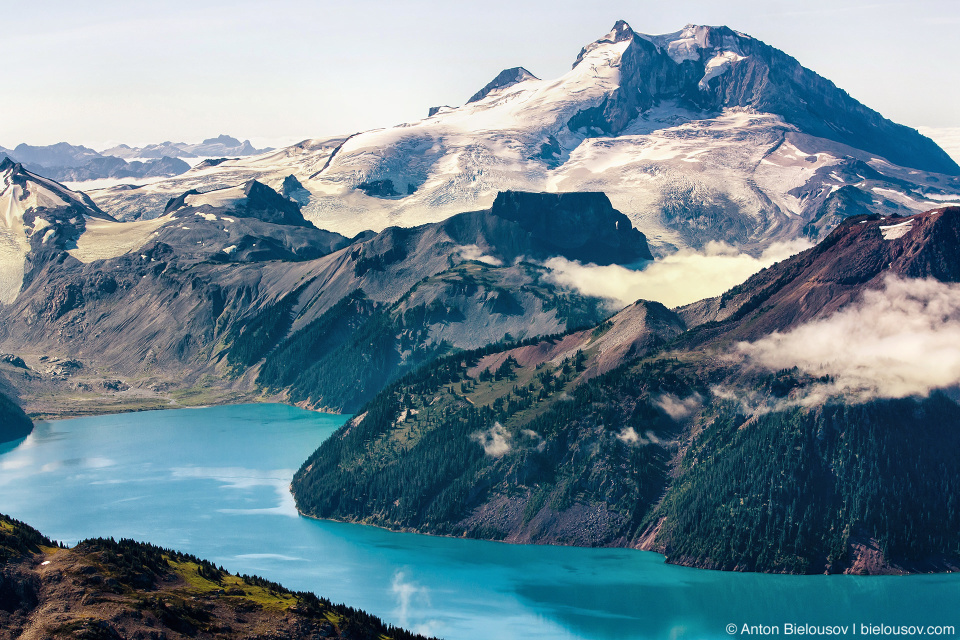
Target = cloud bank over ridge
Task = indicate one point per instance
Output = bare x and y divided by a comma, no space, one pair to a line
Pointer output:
899,341
678,279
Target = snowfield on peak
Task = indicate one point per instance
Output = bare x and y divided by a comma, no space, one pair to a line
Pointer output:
692,162
225,197
896,231
688,43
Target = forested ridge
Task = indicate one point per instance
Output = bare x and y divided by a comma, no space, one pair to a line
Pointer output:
541,454
796,490
14,423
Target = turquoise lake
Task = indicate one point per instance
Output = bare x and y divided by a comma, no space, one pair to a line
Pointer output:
214,482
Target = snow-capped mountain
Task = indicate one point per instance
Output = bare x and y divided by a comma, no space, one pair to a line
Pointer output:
703,134
36,215
504,79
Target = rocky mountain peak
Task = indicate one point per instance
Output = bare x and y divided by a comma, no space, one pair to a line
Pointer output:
8,165
621,32
252,199
581,225
225,140
712,68
40,219
33,191
858,255
505,78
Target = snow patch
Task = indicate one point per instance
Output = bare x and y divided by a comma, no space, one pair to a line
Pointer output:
905,199
217,198
688,43
895,231
718,65
685,44
105,239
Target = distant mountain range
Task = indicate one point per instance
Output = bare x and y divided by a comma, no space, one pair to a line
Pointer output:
220,146
66,162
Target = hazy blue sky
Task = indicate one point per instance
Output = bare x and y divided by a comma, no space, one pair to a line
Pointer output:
108,71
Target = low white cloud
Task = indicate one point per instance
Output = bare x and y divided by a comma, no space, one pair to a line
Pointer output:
629,435
495,440
679,408
899,341
752,402
473,252
413,600
947,137
680,278
534,439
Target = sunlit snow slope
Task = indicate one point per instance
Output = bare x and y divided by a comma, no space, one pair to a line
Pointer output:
704,134
36,214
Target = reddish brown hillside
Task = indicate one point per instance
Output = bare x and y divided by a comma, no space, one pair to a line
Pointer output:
857,255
